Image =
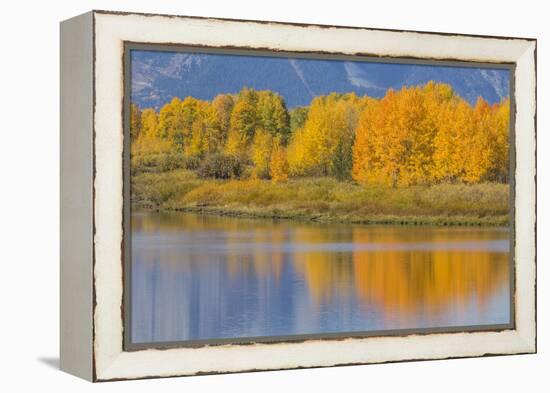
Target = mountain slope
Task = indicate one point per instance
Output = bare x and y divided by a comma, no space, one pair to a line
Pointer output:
157,77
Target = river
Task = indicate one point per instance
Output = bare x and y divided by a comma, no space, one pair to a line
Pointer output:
196,277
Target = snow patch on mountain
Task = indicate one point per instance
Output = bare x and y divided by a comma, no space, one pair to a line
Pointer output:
157,77
500,86
300,74
359,77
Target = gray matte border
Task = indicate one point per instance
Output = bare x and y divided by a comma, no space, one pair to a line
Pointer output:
126,311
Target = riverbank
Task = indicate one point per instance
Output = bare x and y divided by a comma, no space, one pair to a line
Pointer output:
323,200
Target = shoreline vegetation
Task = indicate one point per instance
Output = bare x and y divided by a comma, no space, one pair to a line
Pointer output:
323,200
419,156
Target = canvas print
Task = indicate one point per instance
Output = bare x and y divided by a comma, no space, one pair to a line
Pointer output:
281,197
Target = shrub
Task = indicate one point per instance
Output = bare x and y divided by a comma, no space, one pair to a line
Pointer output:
142,163
191,162
155,189
169,162
158,162
221,166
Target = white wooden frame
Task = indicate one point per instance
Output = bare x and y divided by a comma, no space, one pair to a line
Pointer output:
92,88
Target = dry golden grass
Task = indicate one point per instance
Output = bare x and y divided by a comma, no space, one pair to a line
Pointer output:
325,199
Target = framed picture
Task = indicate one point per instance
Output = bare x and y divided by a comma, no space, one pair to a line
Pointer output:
246,195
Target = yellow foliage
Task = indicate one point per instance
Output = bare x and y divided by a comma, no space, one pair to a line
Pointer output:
297,154
279,164
135,121
149,123
501,148
148,140
417,135
236,144
223,106
331,120
261,153
204,137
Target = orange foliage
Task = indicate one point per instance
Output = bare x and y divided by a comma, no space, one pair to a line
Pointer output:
424,135
417,135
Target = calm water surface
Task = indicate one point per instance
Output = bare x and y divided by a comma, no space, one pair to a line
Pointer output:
204,277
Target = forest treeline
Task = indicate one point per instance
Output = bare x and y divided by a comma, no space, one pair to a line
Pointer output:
419,135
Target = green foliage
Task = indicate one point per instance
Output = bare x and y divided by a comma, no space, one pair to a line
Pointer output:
243,127
322,146
170,119
298,117
177,119
342,160
135,121
223,106
244,118
273,115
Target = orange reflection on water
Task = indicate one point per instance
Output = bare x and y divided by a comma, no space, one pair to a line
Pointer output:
404,282
403,270
326,272
430,268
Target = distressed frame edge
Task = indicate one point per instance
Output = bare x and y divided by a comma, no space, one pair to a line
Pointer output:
527,124
526,341
304,24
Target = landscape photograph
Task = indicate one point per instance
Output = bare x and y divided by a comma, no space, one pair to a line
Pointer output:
280,197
